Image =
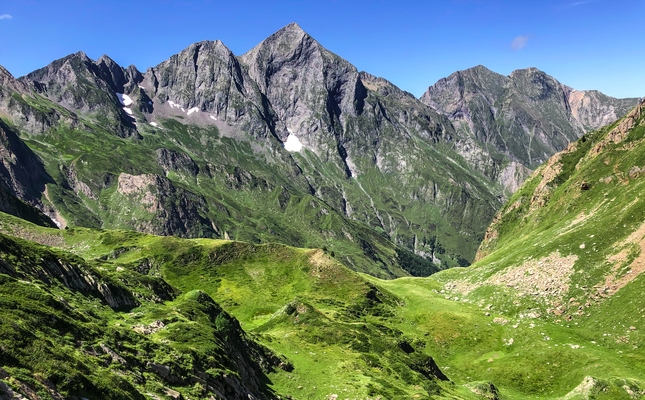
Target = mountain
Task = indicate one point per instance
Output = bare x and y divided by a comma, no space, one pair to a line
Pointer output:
195,145
287,143
520,120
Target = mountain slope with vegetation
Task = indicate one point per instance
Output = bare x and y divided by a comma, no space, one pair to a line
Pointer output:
162,335
73,329
567,250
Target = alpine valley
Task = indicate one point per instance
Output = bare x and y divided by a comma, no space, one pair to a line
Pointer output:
281,225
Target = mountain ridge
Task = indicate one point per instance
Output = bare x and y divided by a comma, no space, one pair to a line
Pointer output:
504,112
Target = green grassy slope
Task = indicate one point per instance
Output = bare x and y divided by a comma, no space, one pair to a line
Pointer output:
361,337
69,328
331,324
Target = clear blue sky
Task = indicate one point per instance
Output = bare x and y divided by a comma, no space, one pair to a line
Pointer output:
587,44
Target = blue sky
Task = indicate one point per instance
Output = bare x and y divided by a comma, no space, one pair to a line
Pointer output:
587,44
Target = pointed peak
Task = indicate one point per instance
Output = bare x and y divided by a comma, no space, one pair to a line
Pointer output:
284,41
105,59
291,31
293,27
81,55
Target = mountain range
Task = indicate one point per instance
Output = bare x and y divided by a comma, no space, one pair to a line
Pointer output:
195,147
228,227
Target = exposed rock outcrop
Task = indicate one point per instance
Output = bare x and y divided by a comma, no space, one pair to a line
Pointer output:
42,265
22,179
161,207
81,85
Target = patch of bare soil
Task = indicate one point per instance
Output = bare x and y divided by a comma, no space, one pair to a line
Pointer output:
614,282
547,277
322,265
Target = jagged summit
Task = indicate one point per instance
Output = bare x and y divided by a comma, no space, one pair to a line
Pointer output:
292,27
288,42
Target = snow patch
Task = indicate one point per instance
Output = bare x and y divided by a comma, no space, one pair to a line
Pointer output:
124,99
192,110
154,124
58,224
292,143
126,109
141,87
173,104
213,117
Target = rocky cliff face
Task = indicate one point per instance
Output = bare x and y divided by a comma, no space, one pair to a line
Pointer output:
154,205
523,118
22,179
207,82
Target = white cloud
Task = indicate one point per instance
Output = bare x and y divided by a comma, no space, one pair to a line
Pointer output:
5,16
577,3
519,42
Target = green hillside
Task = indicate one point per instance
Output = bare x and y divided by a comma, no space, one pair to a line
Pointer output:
566,251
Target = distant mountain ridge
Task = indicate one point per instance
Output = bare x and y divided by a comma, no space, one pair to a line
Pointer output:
195,147
524,118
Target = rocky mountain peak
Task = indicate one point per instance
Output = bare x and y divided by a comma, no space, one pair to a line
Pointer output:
81,85
206,82
291,33
300,78
63,70
538,85
293,26
524,118
288,43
